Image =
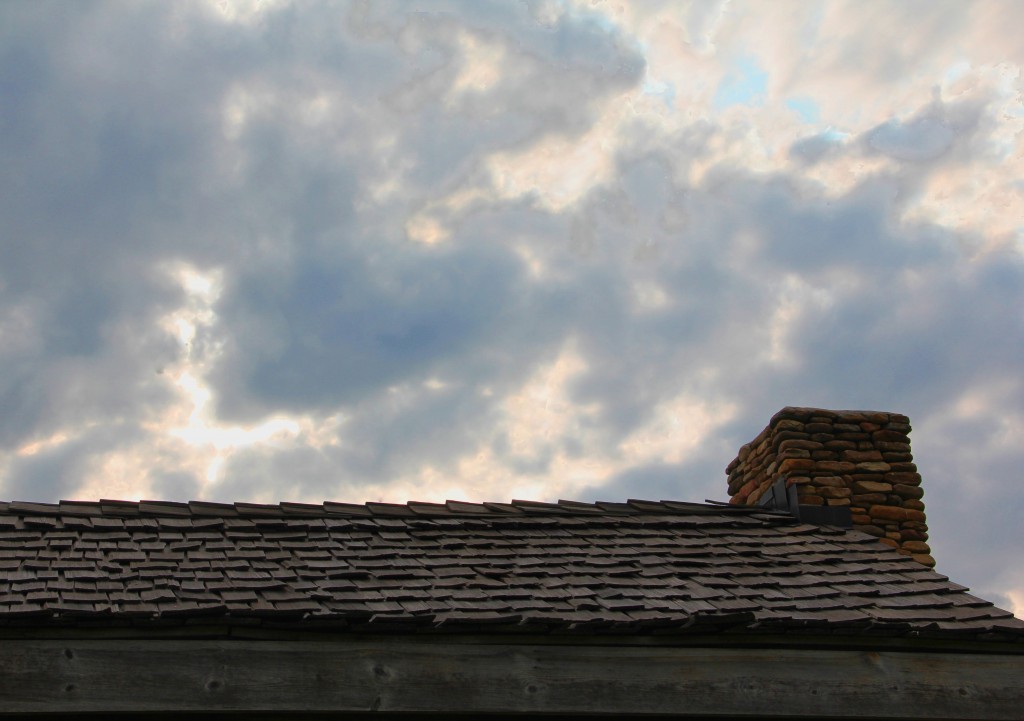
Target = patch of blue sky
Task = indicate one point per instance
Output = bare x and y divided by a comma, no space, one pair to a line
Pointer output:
956,71
659,88
745,84
808,110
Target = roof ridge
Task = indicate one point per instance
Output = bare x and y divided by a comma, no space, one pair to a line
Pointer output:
333,509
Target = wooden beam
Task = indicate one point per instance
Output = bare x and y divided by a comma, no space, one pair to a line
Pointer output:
439,677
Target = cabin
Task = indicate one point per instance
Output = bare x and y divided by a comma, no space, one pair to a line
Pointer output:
811,593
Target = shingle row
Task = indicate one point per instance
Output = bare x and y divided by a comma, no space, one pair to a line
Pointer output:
519,566
194,510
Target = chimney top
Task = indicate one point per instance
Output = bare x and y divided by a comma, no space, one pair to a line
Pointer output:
855,460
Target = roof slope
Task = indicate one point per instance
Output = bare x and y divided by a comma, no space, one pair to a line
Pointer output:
524,566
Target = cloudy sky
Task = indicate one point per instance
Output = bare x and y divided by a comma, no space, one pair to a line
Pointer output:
480,250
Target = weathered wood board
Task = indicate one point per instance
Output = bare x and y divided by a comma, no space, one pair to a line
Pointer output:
372,675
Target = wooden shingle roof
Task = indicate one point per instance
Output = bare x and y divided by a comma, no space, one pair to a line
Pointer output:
640,567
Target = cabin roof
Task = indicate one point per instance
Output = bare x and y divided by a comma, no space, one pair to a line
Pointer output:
636,567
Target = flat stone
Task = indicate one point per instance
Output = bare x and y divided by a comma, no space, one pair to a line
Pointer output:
869,499
800,443
834,492
873,466
890,436
852,436
892,458
818,428
893,513
862,456
890,446
871,487
903,491
908,479
887,513
916,546
788,435
748,488
795,412
835,466
829,481
871,530
796,464
841,445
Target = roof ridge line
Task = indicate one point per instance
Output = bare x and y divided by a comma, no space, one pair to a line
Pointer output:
334,509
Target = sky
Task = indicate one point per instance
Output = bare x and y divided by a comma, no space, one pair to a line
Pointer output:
359,251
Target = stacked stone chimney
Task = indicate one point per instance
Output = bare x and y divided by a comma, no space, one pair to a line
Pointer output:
859,459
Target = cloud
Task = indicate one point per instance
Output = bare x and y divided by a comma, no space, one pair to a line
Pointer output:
921,139
257,252
818,147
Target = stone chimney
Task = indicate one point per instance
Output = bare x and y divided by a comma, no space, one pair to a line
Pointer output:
857,459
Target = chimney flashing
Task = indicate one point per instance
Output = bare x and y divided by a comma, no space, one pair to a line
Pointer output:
780,498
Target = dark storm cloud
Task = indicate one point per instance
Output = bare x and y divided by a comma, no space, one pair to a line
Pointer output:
335,335
98,131
365,340
119,164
